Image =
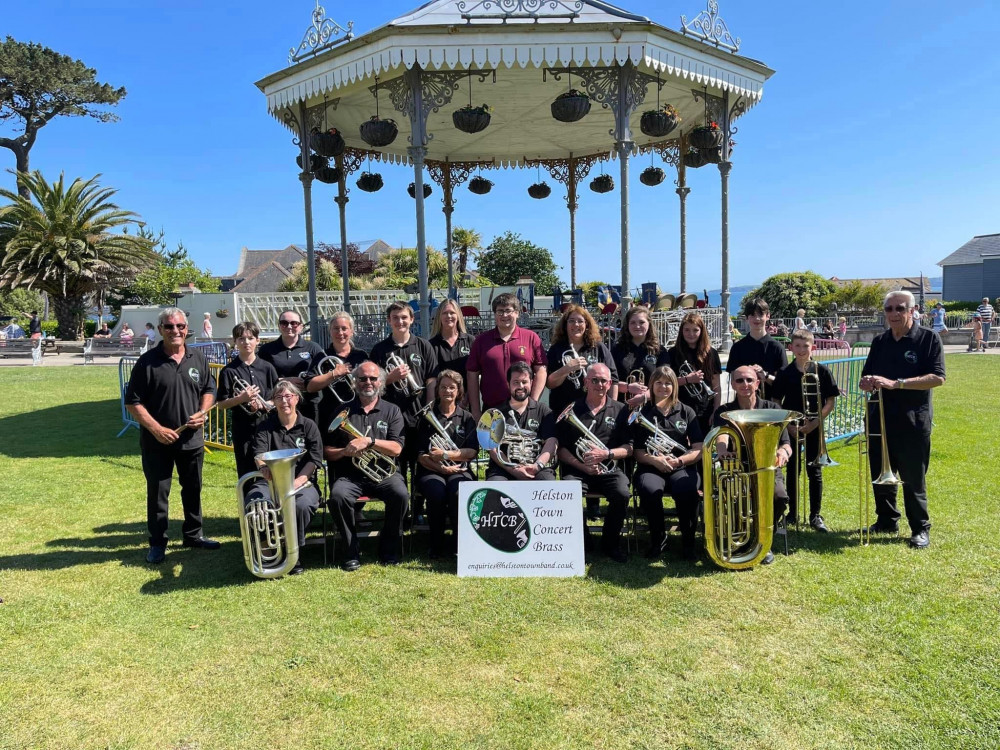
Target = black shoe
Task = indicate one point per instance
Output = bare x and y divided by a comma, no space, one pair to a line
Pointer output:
389,561
921,540
351,565
781,527
619,556
202,543
156,555
768,558
884,527
817,523
297,570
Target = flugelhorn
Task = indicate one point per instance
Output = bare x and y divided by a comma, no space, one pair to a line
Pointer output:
569,358
441,439
262,404
268,525
341,388
699,391
587,441
515,446
659,443
374,465
408,386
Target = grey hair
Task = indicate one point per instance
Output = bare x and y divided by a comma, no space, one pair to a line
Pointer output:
590,367
910,299
286,386
381,375
171,312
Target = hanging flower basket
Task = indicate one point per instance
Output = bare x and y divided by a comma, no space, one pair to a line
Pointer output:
412,190
695,159
378,133
602,184
571,106
480,185
330,143
328,175
706,136
712,155
659,122
316,162
539,190
370,182
222,313
471,119
652,176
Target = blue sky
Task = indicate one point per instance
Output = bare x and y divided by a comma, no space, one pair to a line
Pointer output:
870,155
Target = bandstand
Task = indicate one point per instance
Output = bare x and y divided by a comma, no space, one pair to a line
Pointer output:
570,83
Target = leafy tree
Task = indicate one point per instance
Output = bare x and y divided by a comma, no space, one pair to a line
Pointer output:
467,242
509,257
787,292
66,245
327,277
358,264
38,84
857,296
20,302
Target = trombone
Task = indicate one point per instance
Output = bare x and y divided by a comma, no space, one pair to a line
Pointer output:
887,477
812,408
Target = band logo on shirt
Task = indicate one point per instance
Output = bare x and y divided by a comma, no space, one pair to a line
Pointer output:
382,427
681,425
463,350
650,360
911,357
305,355
416,359
532,424
300,442
522,350
609,421
194,374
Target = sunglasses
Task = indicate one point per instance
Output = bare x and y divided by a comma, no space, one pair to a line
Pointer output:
173,326
371,378
744,380
288,323
897,308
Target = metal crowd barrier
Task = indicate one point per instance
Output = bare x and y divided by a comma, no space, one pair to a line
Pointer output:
125,365
848,416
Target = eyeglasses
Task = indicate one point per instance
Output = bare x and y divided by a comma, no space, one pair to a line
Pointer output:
897,308
370,378
173,326
744,380
286,397
289,323
506,311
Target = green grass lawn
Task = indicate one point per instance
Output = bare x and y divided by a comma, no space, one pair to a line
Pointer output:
833,646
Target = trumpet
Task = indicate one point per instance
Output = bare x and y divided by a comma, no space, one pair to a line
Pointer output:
514,445
262,404
569,358
374,465
269,527
699,391
659,443
587,441
441,439
345,382
408,386
887,477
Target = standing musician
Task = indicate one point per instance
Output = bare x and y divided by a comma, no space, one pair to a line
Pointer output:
380,423
788,390
637,353
607,421
285,428
904,364
745,384
577,332
523,412
674,469
257,379
698,368
291,356
342,347
451,342
758,349
447,442
169,393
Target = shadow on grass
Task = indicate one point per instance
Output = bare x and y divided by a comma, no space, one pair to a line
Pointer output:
72,430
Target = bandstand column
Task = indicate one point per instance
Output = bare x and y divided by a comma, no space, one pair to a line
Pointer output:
572,204
341,201
306,177
449,208
725,166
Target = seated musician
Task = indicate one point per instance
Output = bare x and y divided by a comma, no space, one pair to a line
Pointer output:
380,425
590,462
523,412
285,428
674,469
745,383
440,467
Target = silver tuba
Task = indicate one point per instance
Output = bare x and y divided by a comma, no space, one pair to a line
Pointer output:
659,443
587,441
408,386
376,466
268,526
263,405
515,446
341,388
440,439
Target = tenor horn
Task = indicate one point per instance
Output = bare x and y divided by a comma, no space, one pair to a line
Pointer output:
341,388
268,526
587,441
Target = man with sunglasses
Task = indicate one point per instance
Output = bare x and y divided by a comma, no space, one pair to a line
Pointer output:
169,392
608,421
292,355
903,365
745,382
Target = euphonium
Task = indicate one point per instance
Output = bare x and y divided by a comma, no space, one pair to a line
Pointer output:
659,443
263,406
515,446
587,441
374,465
408,386
739,491
341,388
441,439
569,358
811,395
268,526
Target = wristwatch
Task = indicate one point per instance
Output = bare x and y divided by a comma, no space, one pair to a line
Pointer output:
901,383
539,465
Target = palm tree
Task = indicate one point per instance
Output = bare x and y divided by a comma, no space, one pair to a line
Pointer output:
465,240
67,244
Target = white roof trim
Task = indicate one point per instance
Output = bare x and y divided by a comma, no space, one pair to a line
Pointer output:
512,12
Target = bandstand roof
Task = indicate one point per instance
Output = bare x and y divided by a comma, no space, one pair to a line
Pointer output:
522,41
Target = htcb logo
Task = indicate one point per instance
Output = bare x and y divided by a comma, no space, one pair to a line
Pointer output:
499,521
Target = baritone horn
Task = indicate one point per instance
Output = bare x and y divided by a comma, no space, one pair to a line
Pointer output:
376,466
268,525
739,489
341,388
441,439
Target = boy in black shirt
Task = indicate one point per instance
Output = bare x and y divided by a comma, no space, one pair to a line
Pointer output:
758,349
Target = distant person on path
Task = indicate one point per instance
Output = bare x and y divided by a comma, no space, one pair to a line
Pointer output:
813,326
842,327
937,319
976,344
800,319
986,313
35,326
828,329
206,326
918,316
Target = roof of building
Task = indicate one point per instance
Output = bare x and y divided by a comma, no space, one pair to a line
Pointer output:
973,251
377,249
893,283
266,278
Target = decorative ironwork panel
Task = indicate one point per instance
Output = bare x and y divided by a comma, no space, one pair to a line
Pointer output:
291,121
437,90
460,171
709,27
319,116
532,9
669,151
559,169
322,34
353,159
603,85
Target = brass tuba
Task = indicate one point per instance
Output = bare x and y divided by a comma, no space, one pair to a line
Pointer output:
376,466
587,441
268,526
739,490
515,446
341,388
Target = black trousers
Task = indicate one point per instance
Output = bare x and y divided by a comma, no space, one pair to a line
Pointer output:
494,474
344,495
814,474
243,450
909,455
682,484
441,496
306,504
158,464
614,487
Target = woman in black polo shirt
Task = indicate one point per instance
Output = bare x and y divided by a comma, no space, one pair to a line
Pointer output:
698,368
637,353
451,341
576,330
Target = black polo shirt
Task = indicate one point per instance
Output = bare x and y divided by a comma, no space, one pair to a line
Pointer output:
713,366
460,426
290,362
329,407
762,403
420,356
171,392
609,425
563,395
383,422
259,373
787,387
629,357
536,417
303,435
680,423
918,352
453,357
35,326
766,352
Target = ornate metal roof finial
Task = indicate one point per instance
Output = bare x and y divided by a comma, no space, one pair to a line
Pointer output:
709,27
322,34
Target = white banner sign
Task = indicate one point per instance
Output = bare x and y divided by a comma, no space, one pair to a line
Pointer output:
520,529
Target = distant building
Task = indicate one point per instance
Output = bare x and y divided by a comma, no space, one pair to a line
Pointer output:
973,271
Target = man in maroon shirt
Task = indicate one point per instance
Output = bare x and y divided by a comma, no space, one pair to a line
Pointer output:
494,351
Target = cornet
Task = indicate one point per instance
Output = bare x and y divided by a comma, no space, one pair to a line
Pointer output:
263,405
587,441
341,388
408,386
374,465
441,439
